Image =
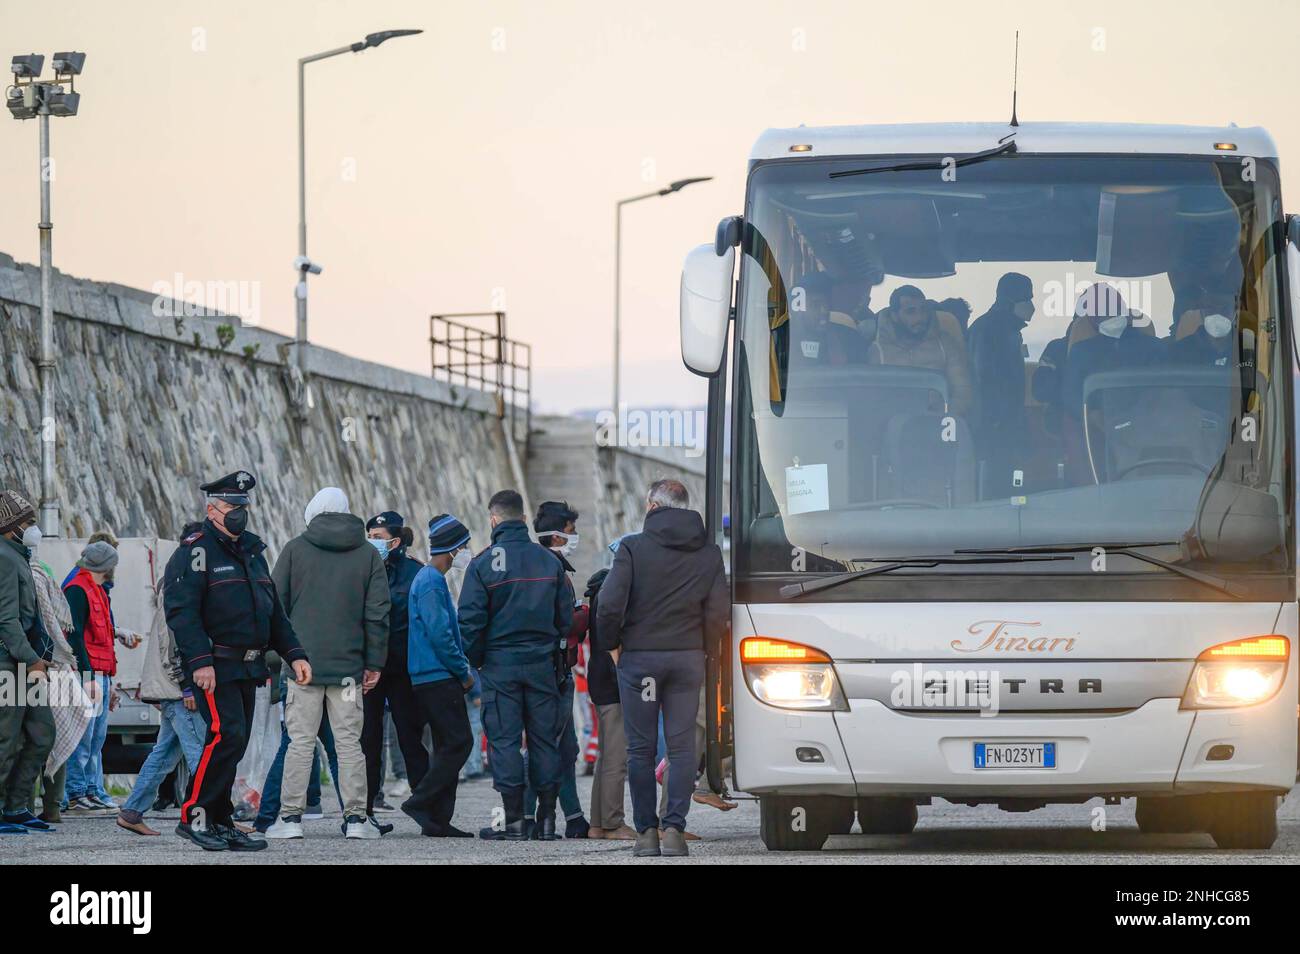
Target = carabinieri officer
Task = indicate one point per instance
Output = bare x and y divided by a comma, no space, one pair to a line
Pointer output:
225,613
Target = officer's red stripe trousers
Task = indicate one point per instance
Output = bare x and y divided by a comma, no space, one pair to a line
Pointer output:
197,786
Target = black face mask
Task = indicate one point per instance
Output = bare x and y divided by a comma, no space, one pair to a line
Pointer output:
236,520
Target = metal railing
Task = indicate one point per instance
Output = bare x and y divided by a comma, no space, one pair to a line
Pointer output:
484,358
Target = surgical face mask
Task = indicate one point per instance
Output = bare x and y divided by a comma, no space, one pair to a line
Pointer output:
1024,310
236,520
380,545
570,541
1113,327
1216,326
462,559
32,537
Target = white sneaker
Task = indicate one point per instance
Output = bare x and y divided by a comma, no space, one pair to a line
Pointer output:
360,827
286,826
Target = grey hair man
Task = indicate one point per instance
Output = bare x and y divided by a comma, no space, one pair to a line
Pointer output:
662,606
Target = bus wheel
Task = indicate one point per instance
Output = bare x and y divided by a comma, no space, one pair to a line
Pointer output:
886,816
1242,819
1171,815
791,823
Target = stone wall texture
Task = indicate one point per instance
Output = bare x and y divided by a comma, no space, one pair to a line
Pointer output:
148,407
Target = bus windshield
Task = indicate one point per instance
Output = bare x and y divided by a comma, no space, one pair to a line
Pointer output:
1026,351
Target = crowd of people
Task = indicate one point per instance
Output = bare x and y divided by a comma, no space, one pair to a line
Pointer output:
350,632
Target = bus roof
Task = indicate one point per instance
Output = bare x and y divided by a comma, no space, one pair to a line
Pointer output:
965,138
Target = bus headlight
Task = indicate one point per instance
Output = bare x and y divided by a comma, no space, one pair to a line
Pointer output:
790,676
1244,672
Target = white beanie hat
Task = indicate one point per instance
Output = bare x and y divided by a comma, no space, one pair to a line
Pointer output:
327,500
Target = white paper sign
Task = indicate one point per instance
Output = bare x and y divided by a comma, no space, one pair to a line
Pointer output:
811,349
806,489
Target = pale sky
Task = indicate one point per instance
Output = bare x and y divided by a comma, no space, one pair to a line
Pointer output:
478,164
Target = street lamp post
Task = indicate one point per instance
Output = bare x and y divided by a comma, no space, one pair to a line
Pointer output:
618,263
302,263
29,98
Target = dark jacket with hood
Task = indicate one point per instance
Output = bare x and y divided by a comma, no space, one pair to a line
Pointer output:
402,571
19,620
667,588
602,677
335,590
516,602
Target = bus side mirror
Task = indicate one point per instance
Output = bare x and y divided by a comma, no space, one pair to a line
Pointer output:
706,307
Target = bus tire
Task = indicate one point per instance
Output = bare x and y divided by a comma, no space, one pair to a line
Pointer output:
1243,819
886,816
791,823
1170,815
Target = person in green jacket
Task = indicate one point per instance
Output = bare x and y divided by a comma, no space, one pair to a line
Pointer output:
26,724
335,590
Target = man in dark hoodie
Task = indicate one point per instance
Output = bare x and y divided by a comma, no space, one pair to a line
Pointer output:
335,590
390,536
997,356
516,605
663,605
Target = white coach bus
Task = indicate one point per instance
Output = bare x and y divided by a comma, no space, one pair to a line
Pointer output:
1012,459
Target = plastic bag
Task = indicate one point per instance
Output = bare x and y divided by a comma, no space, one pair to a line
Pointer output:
263,743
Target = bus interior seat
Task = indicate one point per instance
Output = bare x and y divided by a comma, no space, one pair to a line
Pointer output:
1146,422
921,465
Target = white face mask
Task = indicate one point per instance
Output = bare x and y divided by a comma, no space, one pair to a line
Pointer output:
32,537
1024,310
1113,327
462,559
570,541
1217,326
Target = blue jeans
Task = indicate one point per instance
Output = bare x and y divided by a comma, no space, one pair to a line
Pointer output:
474,764
677,677
568,745
269,809
86,763
180,735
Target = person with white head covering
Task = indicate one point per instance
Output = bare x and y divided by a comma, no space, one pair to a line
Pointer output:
335,590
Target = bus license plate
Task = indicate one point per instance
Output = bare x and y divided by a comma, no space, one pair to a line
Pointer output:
1015,755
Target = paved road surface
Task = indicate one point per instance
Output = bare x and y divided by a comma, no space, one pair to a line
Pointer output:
946,834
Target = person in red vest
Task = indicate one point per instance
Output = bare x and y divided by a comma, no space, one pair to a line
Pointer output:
91,640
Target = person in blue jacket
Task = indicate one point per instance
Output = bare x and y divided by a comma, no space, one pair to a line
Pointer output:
440,677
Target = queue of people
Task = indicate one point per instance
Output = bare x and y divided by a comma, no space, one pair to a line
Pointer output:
464,645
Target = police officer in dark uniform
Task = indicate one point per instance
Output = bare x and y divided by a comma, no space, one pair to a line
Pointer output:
516,606
225,613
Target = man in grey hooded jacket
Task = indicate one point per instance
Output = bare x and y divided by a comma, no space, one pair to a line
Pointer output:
334,587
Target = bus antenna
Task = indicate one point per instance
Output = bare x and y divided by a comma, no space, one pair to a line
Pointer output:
1015,75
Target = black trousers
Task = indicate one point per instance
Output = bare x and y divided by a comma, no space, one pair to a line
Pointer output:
227,712
442,705
395,688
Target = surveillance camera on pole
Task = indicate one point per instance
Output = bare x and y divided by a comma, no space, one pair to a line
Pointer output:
304,264
29,98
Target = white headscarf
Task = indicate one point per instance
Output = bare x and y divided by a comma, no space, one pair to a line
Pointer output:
327,500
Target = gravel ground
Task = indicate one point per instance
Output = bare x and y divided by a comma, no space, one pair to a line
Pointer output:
946,834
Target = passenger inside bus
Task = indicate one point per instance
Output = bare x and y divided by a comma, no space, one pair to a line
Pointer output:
997,353
913,333
819,336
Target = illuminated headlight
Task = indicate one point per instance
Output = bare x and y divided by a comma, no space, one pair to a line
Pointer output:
790,676
1241,673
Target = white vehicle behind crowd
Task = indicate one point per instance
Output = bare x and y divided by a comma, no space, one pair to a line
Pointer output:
1098,602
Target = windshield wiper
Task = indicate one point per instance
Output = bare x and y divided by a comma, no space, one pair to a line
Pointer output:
795,590
1128,550
1007,148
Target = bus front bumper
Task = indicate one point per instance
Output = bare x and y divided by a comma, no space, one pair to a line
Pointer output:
1157,748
